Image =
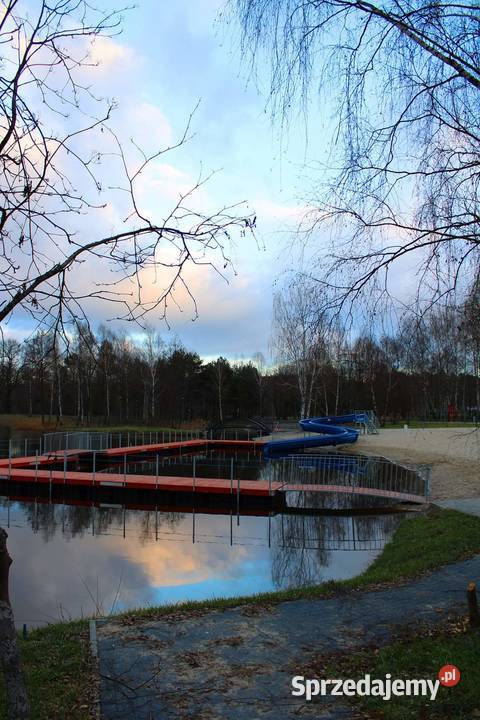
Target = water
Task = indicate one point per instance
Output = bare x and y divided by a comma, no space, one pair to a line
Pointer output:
73,561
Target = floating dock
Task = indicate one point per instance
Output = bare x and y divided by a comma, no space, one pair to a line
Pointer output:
52,470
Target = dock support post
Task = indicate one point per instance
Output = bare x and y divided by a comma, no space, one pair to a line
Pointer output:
156,472
94,470
231,475
9,456
64,467
124,468
194,469
36,466
238,500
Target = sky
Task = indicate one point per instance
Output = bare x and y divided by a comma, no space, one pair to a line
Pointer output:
172,59
169,58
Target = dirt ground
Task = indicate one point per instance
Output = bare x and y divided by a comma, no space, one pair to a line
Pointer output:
454,455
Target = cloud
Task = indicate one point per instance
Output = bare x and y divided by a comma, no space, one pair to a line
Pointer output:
161,186
148,124
270,211
110,56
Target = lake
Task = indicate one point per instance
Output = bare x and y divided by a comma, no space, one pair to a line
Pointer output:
73,561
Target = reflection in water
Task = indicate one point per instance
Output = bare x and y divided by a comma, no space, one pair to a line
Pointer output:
74,560
304,544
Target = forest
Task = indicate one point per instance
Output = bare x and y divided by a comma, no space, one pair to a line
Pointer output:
427,369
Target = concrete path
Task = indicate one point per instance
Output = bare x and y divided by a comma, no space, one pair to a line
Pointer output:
238,664
471,506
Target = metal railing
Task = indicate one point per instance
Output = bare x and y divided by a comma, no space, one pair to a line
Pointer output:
20,447
85,440
298,473
355,472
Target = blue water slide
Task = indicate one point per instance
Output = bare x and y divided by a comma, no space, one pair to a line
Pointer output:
331,431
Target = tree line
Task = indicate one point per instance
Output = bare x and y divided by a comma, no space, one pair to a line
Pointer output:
427,368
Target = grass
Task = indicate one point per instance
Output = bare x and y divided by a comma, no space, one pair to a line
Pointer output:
69,423
30,422
429,424
419,657
56,657
57,671
134,428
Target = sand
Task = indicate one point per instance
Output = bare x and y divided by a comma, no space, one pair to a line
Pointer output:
454,456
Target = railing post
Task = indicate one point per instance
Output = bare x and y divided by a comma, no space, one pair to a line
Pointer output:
238,498
64,467
156,472
94,469
231,475
194,470
427,482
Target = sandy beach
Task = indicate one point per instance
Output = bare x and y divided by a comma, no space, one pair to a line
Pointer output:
454,455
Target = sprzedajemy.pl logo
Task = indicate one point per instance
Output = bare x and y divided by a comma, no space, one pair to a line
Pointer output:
386,687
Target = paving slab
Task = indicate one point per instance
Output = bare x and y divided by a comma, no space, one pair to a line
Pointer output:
239,663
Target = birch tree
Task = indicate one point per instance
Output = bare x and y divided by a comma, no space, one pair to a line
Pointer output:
299,335
399,83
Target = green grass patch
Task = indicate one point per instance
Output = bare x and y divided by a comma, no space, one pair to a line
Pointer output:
424,542
418,658
139,429
56,665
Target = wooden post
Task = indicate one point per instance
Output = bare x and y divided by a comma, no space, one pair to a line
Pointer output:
17,702
473,613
